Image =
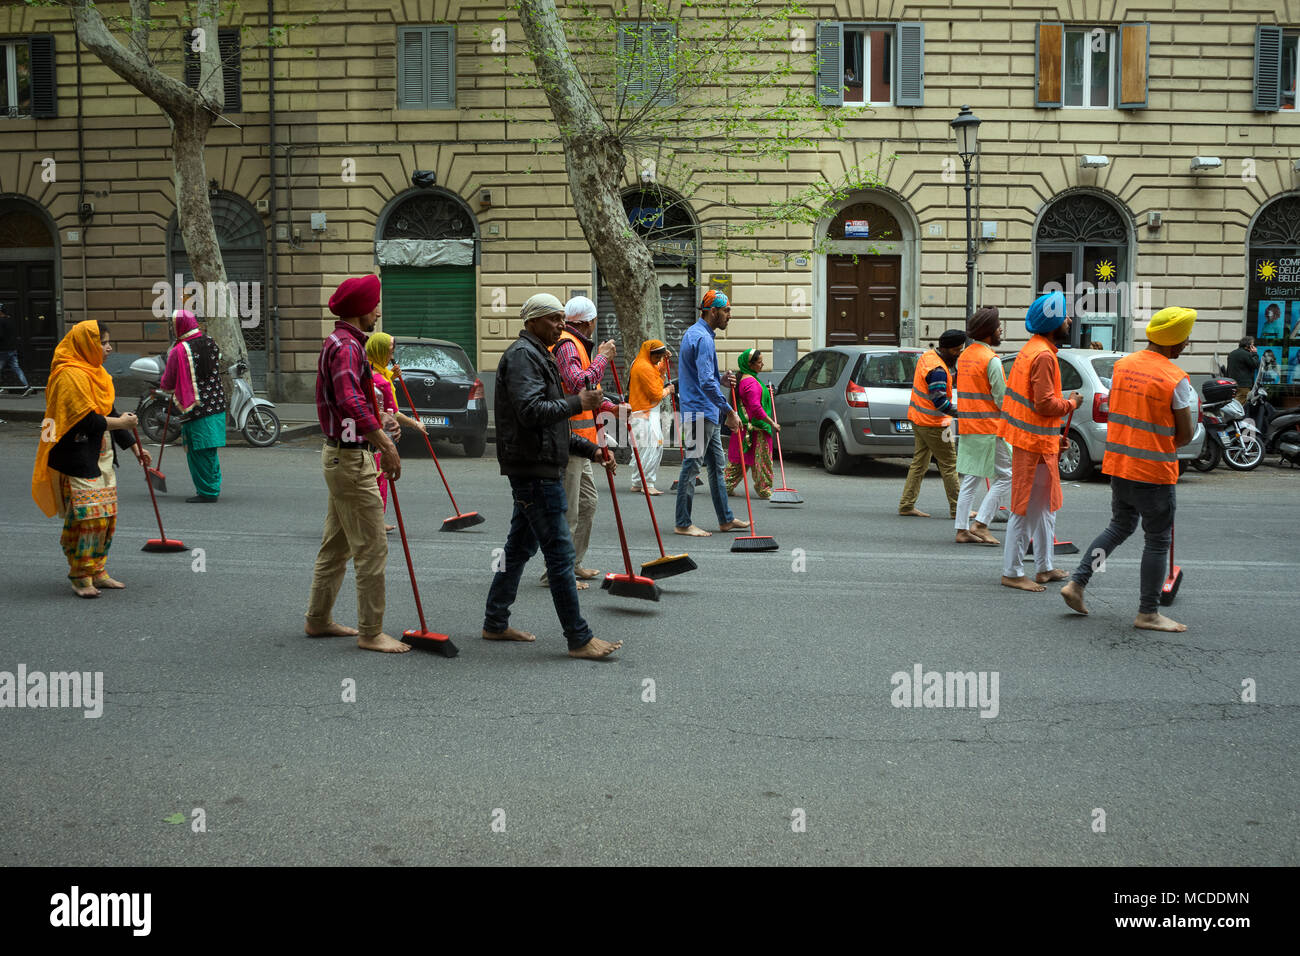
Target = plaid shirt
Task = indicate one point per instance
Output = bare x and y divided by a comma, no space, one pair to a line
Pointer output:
344,384
573,376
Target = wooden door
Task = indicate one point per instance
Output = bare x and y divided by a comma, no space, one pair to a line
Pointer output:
27,290
863,300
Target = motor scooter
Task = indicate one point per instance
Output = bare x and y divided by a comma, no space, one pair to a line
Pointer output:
1230,434
254,417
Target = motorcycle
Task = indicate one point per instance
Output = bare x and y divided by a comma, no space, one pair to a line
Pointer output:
1281,430
254,417
1230,434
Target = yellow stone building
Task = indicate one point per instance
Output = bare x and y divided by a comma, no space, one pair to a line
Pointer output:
1151,148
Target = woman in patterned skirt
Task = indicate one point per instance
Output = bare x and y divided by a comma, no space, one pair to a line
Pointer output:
73,476
757,420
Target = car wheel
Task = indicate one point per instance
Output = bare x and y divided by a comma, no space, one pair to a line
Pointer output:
834,458
1076,464
474,445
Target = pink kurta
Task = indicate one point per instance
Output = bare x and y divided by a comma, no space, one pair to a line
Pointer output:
751,400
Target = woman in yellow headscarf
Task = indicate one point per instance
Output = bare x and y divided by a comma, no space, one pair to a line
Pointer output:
379,350
646,391
73,476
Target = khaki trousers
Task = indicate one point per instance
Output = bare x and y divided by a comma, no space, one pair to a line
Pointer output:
580,493
354,528
928,441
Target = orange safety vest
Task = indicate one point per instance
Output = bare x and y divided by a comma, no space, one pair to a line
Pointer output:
1140,427
977,410
583,423
922,410
1020,424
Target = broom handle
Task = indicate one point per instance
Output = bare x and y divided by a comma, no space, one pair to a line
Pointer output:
397,508
162,442
741,442
152,497
416,415
613,496
641,471
1171,549
780,457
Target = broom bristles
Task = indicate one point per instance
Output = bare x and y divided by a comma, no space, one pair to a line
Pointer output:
623,585
458,522
668,566
752,542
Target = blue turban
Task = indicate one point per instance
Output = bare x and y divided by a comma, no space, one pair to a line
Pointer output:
1046,314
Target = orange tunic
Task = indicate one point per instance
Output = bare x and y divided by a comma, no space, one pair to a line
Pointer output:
1047,401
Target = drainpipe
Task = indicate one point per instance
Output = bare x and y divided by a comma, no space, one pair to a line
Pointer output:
274,298
82,219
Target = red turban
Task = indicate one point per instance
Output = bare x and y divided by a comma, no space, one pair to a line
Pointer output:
355,297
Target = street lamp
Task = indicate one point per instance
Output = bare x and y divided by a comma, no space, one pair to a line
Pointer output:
966,127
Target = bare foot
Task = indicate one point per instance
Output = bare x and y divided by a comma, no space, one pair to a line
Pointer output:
693,531
581,585
1047,577
384,643
1073,594
1157,622
586,573
1021,583
509,634
982,532
967,537
389,528
84,588
595,649
654,492
913,513
332,630
735,524
109,583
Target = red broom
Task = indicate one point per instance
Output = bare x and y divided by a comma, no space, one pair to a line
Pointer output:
630,584
783,495
423,637
751,541
162,543
156,471
677,421
1169,590
458,521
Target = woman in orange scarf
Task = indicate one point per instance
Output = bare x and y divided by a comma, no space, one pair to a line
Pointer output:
73,476
646,390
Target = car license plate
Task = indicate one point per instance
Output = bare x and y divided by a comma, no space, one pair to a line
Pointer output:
434,420
904,427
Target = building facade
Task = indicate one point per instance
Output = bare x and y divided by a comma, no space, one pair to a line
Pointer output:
1133,154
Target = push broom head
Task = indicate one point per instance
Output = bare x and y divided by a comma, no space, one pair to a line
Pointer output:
631,585
163,545
461,522
786,496
667,566
1170,588
754,542
430,641
157,478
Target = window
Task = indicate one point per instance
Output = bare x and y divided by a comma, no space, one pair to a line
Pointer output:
1290,66
27,77
646,62
797,377
887,370
1092,67
432,358
426,68
228,46
827,372
870,64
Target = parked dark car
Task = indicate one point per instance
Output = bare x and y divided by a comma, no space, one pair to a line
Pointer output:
447,393
847,402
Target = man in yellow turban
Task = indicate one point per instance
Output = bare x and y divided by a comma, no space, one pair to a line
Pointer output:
1152,415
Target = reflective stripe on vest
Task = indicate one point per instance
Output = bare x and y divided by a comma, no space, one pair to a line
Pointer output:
1140,428
583,423
977,411
922,410
1021,425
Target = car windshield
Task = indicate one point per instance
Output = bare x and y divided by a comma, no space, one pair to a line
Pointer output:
432,358
1104,366
887,370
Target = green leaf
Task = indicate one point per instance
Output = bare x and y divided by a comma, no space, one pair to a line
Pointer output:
175,818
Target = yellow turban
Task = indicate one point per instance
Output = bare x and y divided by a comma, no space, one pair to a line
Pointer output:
1171,326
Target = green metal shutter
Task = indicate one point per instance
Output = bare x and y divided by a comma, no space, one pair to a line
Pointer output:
434,302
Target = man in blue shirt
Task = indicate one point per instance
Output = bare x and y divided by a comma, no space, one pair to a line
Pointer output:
703,403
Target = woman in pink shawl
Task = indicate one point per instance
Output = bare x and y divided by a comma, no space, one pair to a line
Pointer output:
757,421
193,376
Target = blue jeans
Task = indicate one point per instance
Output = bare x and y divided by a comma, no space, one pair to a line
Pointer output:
699,432
538,521
9,360
1131,502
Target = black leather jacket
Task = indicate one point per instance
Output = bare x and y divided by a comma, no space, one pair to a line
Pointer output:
532,413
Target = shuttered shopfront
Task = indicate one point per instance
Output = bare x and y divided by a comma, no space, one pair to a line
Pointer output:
433,302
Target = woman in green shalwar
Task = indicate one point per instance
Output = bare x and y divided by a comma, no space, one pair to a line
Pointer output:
193,375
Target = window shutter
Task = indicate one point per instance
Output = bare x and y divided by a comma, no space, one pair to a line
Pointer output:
909,60
40,59
231,69
1268,69
1134,43
441,45
1049,59
660,63
631,62
830,64
410,69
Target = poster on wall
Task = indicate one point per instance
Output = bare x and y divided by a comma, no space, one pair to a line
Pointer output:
1270,324
1273,316
1293,363
1272,368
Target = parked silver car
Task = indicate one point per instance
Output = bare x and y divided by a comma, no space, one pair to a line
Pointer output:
1088,372
847,402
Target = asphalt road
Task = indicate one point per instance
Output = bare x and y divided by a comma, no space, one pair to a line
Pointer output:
772,689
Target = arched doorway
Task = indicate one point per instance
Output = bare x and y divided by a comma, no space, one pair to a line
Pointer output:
241,236
864,277
29,260
1083,245
1273,297
426,246
666,222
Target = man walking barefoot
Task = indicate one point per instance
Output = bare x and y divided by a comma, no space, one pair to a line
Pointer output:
930,413
1152,414
354,523
980,452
